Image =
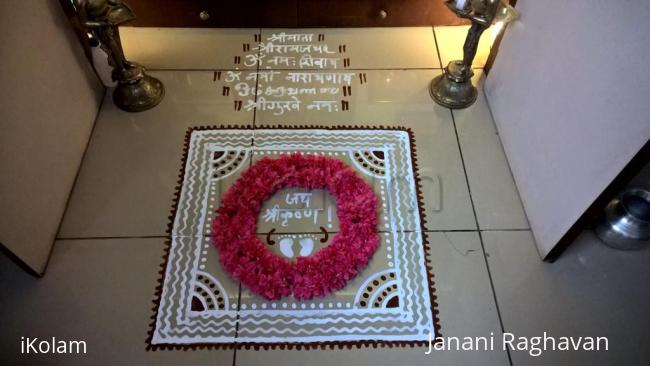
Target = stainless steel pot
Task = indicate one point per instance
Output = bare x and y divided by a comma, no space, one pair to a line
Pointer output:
626,222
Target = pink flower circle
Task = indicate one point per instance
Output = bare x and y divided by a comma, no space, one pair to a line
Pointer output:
246,257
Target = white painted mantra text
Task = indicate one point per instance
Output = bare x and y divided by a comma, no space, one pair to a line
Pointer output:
284,215
291,50
52,345
279,107
297,77
293,61
535,346
267,96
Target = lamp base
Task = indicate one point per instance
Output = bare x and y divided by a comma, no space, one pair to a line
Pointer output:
454,89
137,91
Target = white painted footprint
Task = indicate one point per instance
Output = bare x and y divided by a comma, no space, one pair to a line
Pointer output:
306,246
286,247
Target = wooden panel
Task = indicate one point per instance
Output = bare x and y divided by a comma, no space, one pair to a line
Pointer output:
278,13
185,13
292,13
372,13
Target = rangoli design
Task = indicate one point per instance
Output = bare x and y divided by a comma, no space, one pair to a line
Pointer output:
389,301
245,256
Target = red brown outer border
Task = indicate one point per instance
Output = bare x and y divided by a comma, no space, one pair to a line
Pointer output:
293,345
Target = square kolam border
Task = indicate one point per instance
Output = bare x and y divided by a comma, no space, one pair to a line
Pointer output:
150,346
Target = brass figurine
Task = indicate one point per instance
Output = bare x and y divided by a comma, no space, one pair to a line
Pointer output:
135,91
454,88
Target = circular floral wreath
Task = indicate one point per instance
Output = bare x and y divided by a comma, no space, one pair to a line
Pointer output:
245,256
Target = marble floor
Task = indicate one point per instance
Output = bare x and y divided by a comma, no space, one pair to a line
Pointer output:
489,278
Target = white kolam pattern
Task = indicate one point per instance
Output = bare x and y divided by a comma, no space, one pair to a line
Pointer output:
275,322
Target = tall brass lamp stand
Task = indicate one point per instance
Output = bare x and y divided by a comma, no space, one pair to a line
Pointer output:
135,91
454,88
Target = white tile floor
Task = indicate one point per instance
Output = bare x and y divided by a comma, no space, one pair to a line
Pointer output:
489,278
